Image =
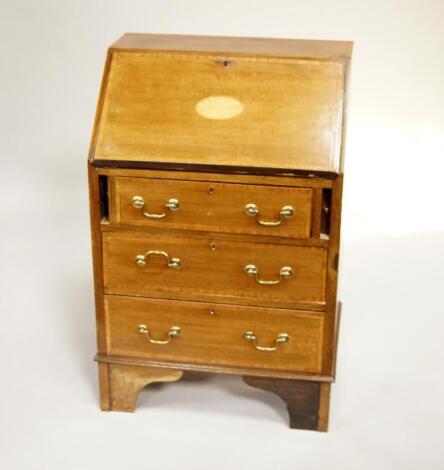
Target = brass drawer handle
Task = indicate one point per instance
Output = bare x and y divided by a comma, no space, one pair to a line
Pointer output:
287,212
284,273
174,263
171,205
281,338
172,333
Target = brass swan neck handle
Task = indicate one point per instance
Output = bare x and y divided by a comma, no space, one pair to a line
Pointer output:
139,203
284,273
281,338
287,212
142,260
173,332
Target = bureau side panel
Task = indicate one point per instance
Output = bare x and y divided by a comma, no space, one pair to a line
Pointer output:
96,240
332,279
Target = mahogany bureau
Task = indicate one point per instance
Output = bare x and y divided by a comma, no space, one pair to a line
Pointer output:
215,173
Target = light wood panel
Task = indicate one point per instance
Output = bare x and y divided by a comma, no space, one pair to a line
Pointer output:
213,267
324,407
126,381
214,207
291,119
214,334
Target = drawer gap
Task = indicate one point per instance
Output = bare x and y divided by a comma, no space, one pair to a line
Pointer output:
104,198
326,213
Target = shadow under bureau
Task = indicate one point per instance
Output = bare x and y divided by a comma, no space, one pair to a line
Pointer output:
215,173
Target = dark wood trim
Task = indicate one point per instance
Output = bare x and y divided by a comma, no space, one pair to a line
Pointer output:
316,213
303,399
195,167
232,178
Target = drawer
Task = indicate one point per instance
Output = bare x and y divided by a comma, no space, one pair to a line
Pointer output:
214,334
218,207
198,267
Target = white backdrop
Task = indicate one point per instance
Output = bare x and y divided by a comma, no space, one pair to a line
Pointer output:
387,407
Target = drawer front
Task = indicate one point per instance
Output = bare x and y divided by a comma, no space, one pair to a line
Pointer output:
214,334
186,267
219,207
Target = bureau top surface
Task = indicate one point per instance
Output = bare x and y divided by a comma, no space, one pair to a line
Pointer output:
296,48
248,103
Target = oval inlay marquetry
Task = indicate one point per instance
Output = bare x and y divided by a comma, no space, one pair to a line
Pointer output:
219,107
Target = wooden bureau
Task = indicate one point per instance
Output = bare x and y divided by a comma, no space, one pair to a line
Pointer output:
215,173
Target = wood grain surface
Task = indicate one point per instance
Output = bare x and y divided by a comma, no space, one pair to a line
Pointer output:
292,111
214,333
302,400
214,268
126,381
217,207
219,123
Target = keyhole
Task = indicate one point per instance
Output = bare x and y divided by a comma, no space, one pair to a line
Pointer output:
225,63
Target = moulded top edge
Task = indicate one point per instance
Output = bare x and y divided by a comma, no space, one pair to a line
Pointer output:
271,47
